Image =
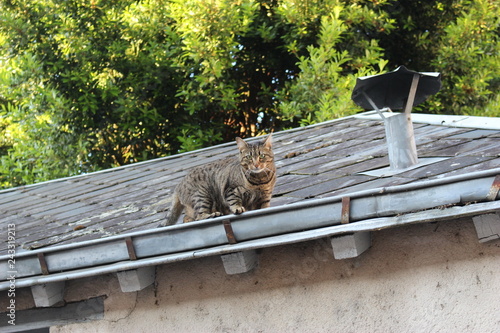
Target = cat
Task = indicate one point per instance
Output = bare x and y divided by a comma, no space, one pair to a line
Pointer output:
228,186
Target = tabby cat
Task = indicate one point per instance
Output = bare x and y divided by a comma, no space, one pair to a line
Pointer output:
228,186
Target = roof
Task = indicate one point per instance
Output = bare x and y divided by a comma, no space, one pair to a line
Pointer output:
317,165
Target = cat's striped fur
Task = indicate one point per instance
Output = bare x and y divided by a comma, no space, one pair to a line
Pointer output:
229,186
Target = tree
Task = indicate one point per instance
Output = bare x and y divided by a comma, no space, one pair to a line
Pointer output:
35,145
86,85
469,60
458,39
346,47
109,69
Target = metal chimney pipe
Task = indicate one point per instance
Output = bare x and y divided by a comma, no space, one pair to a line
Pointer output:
399,134
400,141
398,127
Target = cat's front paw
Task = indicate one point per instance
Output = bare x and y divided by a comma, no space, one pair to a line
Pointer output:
215,214
205,216
238,209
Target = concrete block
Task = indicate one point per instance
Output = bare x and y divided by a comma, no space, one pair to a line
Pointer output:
487,227
136,279
350,246
48,294
239,262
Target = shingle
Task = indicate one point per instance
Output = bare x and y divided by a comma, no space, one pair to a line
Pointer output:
373,183
483,147
474,134
329,186
444,166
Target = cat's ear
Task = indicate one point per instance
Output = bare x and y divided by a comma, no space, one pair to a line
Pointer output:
268,142
241,144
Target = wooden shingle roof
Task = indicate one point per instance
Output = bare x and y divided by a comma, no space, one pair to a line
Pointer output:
324,160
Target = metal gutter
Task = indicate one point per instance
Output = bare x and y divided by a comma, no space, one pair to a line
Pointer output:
366,225
262,228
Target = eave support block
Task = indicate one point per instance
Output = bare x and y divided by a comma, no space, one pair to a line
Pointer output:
136,279
239,262
350,246
487,227
48,294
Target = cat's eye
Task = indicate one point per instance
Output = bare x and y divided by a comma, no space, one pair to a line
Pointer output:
262,156
248,157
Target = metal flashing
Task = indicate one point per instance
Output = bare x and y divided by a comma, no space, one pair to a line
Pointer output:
495,188
346,210
487,123
433,215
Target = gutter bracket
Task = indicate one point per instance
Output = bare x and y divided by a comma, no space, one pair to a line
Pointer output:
494,189
229,231
130,248
43,264
346,209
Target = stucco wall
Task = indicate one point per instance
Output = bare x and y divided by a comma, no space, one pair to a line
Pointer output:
421,278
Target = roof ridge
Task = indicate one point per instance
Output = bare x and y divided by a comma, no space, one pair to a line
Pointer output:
164,158
462,121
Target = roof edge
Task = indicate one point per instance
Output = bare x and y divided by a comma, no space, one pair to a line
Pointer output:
201,236
462,121
374,224
260,213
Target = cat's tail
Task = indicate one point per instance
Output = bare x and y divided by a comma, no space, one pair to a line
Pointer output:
175,212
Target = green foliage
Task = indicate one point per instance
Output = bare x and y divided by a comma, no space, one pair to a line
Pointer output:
195,138
328,72
469,60
418,32
211,52
86,85
35,144
109,66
